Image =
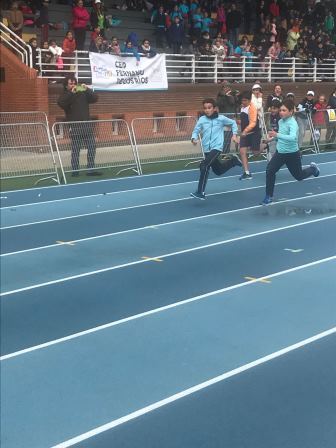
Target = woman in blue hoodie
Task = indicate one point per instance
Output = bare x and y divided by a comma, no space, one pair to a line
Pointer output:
287,151
211,128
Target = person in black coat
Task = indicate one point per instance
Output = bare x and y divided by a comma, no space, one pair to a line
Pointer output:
75,101
176,32
233,22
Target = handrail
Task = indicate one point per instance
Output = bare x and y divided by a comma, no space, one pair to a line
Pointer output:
15,41
193,68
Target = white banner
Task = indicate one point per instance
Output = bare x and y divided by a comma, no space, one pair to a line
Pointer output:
110,72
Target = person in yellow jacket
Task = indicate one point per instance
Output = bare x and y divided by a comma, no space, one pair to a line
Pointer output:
293,36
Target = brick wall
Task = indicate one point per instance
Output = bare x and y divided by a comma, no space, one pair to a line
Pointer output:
22,90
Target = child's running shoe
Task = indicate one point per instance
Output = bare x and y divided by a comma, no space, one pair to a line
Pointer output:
246,176
236,160
267,200
198,195
316,169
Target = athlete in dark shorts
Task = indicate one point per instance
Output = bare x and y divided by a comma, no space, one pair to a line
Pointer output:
250,136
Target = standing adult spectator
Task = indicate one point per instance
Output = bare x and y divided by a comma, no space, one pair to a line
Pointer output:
274,8
159,21
176,32
228,101
293,36
80,20
304,107
331,125
329,23
75,101
221,19
43,20
320,115
15,19
247,16
233,22
97,17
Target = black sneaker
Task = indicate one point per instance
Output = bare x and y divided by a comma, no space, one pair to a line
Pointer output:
316,169
198,195
236,161
246,176
94,173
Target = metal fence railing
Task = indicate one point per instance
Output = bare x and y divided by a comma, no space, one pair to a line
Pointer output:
190,68
164,139
26,150
92,145
16,44
24,117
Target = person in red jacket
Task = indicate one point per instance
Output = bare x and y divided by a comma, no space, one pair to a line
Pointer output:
274,9
69,47
80,20
320,115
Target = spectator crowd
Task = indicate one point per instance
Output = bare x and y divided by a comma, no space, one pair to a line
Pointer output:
256,29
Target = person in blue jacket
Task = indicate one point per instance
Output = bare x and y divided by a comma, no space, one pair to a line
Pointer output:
287,151
211,127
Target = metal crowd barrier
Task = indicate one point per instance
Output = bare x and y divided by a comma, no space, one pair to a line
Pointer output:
26,150
165,139
91,145
26,147
23,117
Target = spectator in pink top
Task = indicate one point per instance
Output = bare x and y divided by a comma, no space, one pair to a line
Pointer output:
80,20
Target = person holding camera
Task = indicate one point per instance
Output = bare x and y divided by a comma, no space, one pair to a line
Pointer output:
75,101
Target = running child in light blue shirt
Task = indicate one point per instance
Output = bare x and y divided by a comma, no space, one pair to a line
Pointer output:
287,151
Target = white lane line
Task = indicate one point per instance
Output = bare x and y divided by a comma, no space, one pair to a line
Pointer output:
160,309
194,218
132,207
134,189
159,404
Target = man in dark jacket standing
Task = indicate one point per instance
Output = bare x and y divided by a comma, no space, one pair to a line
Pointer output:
75,101
233,22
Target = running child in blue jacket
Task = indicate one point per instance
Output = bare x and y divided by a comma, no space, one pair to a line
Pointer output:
287,151
211,127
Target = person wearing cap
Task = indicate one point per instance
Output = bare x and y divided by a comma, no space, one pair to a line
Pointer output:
98,18
287,151
251,115
290,96
304,107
